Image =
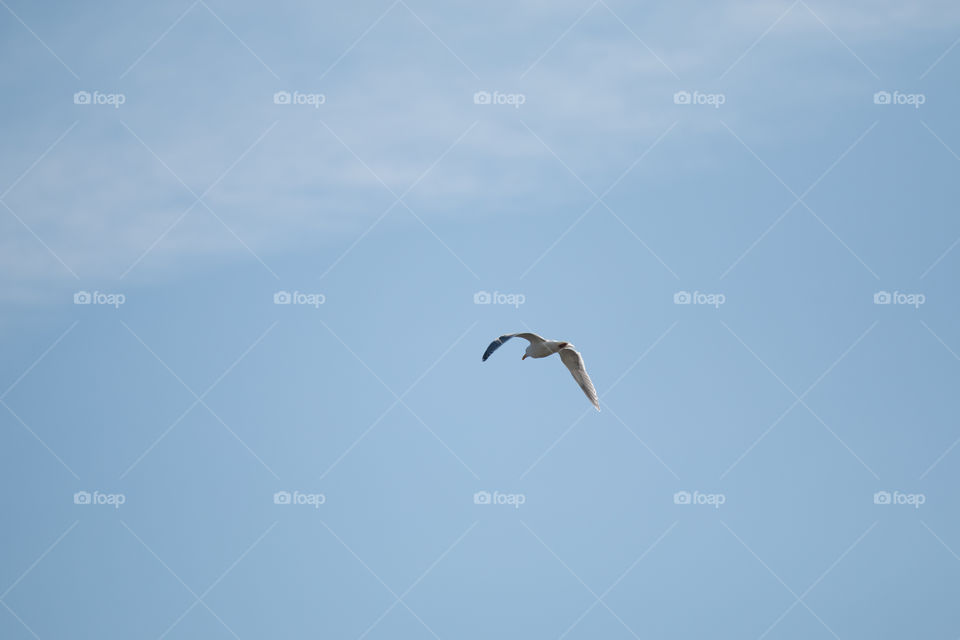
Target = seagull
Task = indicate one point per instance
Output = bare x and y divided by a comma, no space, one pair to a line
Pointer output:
541,348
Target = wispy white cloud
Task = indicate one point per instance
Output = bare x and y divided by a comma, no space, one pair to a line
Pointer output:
397,100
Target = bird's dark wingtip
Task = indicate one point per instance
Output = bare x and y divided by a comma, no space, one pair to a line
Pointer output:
496,344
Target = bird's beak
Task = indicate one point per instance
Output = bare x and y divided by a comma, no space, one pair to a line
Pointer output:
524,357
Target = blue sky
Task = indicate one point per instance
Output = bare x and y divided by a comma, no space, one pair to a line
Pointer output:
742,214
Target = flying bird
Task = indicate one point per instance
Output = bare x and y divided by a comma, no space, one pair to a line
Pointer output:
541,348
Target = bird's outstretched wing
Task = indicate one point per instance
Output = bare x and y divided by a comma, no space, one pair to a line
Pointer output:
531,337
574,362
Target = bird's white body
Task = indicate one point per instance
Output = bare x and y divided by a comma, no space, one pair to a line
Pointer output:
544,349
541,348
